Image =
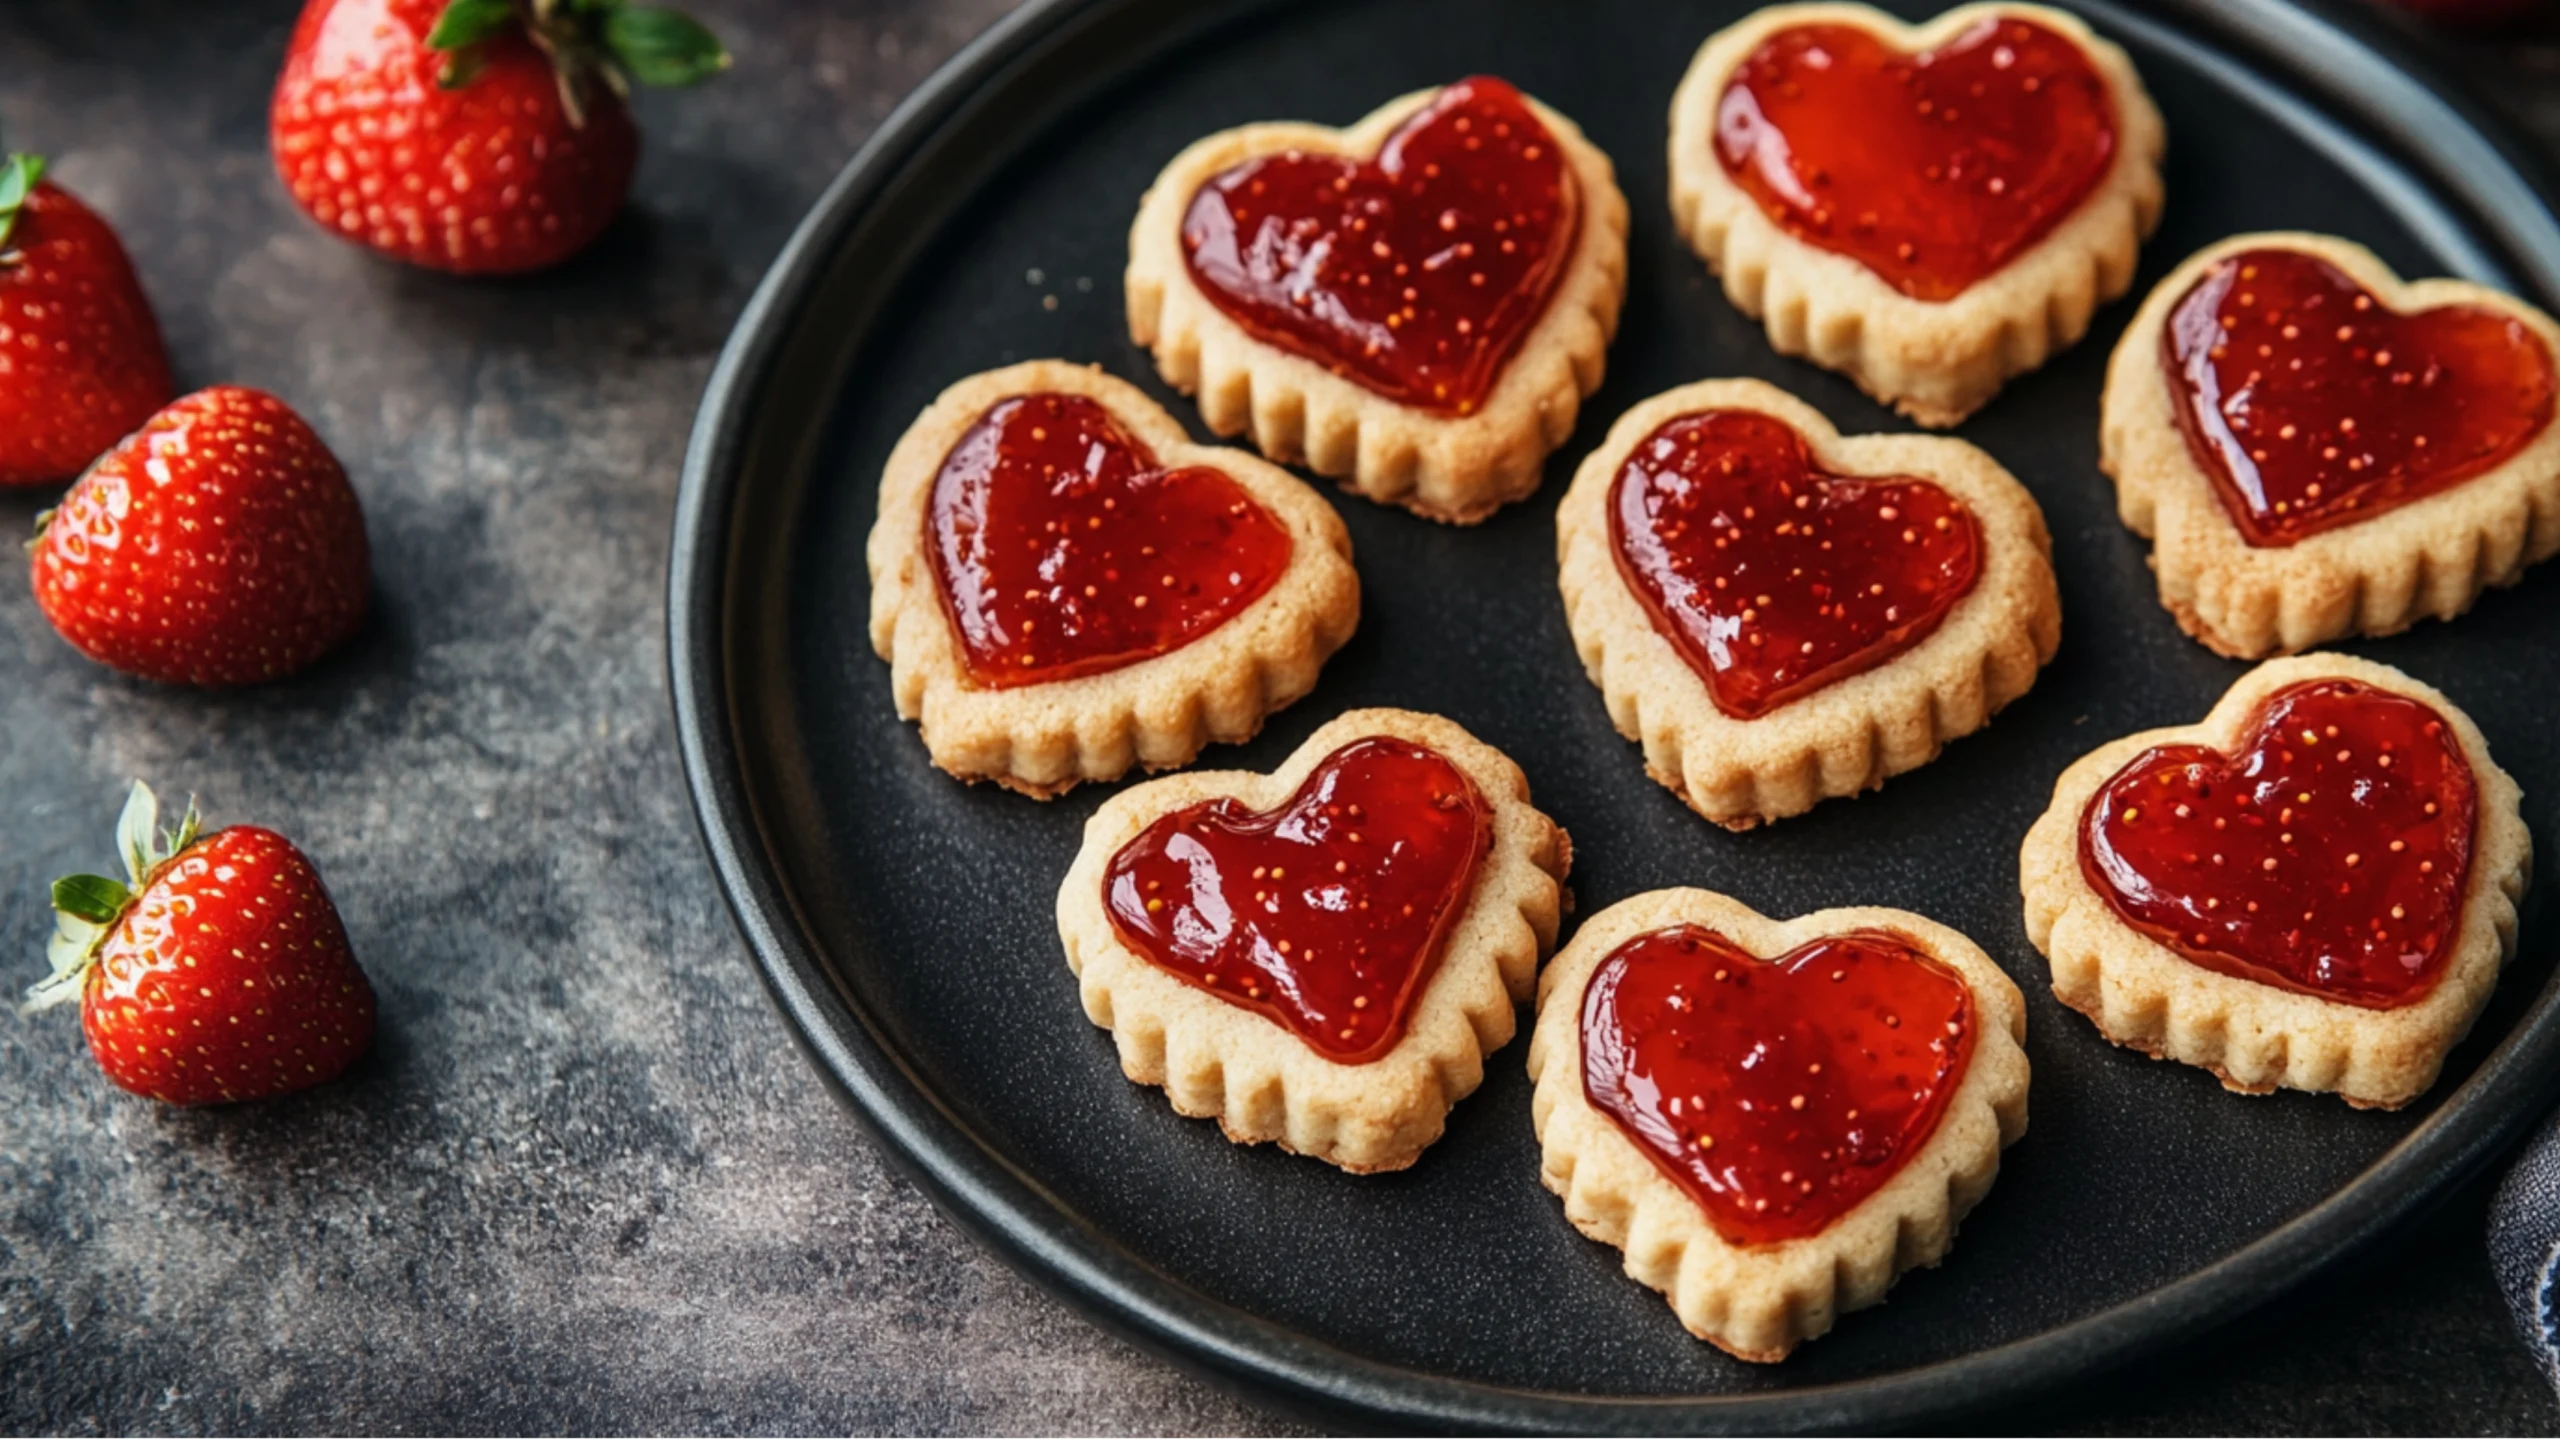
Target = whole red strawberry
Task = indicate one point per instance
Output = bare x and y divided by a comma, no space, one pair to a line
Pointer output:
81,362
221,972
220,544
476,136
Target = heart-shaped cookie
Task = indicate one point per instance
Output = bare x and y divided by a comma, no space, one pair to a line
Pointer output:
1415,305
1772,1118
1321,956
1326,913
1064,585
1062,549
1932,168
2328,854
1780,614
1929,209
2320,449
2311,405
1779,1093
1415,272
2312,888
1772,576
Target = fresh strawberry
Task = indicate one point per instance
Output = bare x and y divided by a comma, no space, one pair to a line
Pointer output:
221,972
476,136
81,362
220,544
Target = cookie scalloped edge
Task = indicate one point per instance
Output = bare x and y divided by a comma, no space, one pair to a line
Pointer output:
1159,712
2255,1037
1452,468
1935,361
1757,1302
1850,735
1216,1060
2429,559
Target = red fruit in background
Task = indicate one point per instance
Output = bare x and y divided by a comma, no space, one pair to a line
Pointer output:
221,972
220,544
81,362
475,136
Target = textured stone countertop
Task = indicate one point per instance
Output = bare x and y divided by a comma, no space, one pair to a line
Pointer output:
585,1182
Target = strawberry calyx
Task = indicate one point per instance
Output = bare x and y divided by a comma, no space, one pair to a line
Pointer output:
19,176
86,907
612,41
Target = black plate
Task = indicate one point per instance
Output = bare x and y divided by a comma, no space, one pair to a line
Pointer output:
904,921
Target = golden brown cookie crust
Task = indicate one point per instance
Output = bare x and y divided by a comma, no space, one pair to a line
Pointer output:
1455,468
1220,1061
1847,736
1757,1302
1042,740
1936,361
2427,559
2254,1037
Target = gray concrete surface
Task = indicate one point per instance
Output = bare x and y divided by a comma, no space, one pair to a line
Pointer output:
585,1183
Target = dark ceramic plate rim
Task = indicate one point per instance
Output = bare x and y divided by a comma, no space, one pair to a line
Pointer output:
2444,139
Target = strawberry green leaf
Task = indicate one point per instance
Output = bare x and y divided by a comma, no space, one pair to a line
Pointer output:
19,176
135,837
468,22
75,940
663,47
92,897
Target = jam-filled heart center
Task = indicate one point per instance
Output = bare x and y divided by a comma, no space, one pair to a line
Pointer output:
2310,404
2329,856
1060,549
1777,1093
1327,914
1415,274
1933,170
1771,576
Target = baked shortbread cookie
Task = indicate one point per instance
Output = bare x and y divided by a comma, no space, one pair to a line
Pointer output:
1780,614
1415,305
1322,956
1065,586
2318,448
1929,209
1773,1118
2312,889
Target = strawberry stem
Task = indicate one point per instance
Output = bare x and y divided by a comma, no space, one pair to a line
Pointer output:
19,176
614,41
86,907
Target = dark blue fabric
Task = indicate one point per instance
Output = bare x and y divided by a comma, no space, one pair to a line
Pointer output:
2524,1246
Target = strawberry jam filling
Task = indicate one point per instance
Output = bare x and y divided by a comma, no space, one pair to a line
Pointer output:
1777,1093
1932,170
2310,405
1060,549
2329,857
1771,577
1415,274
1326,915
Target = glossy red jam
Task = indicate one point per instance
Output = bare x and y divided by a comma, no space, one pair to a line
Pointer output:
1327,914
1777,1093
1771,577
1061,550
2310,405
2328,857
1933,170
1415,274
